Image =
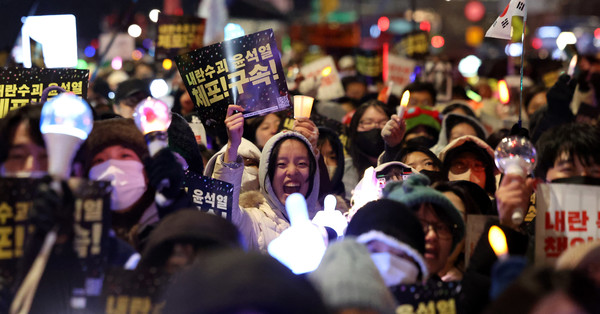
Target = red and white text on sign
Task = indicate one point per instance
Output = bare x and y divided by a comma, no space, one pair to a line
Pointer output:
567,215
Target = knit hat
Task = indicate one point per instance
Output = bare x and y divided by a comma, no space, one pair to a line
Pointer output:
183,142
348,278
415,191
418,116
117,131
394,224
232,281
191,226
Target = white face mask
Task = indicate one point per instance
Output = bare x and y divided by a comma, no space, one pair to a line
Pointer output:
127,179
466,176
395,270
331,171
250,179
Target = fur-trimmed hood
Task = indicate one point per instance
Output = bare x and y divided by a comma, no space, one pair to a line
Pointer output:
265,183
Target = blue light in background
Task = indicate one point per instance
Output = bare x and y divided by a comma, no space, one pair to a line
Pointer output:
89,51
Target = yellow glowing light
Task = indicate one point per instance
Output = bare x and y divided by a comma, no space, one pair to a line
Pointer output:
503,92
405,98
167,64
498,241
326,71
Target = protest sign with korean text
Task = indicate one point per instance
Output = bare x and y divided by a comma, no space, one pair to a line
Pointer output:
432,297
210,195
369,63
400,70
16,199
325,71
20,86
133,291
245,71
567,215
178,34
413,45
91,226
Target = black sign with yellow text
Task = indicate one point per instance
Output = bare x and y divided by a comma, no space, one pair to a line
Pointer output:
245,71
177,35
20,86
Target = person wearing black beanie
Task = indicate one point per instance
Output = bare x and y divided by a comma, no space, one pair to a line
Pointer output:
233,281
395,238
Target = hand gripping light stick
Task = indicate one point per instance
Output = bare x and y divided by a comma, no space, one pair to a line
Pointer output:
516,155
65,123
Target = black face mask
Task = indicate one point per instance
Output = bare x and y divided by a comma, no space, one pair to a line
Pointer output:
423,141
370,142
578,180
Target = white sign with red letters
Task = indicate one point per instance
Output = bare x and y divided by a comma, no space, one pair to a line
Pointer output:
567,215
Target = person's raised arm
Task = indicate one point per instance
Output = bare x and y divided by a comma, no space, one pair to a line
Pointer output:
234,122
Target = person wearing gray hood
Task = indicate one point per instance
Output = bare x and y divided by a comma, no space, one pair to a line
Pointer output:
456,125
288,164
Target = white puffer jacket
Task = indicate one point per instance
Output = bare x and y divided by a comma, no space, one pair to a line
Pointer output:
260,216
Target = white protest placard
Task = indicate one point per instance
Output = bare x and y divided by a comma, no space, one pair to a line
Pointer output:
122,47
399,71
474,231
567,215
324,69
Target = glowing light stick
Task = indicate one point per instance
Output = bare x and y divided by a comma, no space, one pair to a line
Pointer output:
497,240
515,155
302,106
301,246
65,123
326,71
330,217
368,189
403,104
153,118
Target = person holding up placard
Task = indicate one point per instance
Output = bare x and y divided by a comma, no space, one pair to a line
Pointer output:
288,165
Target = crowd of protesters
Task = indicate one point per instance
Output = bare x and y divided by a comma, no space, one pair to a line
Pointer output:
437,160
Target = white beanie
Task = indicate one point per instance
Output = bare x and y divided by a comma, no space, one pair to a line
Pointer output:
348,278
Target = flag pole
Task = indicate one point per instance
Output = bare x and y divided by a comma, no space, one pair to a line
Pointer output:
522,67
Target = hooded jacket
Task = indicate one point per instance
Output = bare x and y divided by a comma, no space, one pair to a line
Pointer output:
261,217
247,149
479,148
451,120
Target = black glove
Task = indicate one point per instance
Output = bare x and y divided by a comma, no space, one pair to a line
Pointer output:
165,173
560,95
53,208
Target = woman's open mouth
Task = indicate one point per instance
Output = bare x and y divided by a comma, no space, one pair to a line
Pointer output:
291,187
